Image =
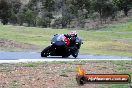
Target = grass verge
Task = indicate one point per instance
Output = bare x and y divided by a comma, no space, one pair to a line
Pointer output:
113,40
59,74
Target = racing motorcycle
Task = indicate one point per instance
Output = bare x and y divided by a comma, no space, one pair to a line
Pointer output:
59,47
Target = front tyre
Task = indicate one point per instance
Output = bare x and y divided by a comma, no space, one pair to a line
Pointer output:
45,52
75,54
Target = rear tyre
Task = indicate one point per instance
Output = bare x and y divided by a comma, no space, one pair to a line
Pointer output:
45,52
65,56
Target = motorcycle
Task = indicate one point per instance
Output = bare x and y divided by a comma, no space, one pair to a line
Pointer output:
59,47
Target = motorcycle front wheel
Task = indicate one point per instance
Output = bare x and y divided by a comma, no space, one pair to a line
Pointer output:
45,52
75,54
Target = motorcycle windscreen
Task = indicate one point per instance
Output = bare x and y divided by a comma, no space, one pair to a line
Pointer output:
58,40
78,40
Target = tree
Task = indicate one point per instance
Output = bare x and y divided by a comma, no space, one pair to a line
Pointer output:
48,5
26,15
15,7
105,8
81,4
13,18
43,22
79,9
30,17
21,15
41,11
8,10
123,5
5,11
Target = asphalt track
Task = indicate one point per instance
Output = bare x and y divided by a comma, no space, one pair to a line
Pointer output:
14,57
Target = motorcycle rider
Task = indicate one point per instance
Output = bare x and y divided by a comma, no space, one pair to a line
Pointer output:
71,40
63,45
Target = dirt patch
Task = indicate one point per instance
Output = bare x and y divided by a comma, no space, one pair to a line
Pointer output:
50,75
5,43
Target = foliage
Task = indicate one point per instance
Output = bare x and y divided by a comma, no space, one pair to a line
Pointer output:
8,10
48,5
104,7
5,11
60,13
123,5
43,22
26,16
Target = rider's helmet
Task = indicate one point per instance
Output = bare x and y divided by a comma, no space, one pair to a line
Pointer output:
73,34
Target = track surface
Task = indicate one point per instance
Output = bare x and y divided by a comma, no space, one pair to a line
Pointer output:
8,57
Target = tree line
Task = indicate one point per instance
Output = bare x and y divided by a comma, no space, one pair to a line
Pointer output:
60,13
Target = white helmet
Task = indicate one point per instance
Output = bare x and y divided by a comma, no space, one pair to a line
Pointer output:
73,33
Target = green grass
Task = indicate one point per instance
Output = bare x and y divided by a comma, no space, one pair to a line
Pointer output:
116,86
121,66
14,84
113,40
68,62
33,64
